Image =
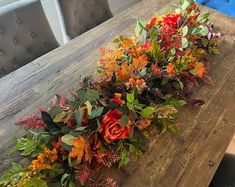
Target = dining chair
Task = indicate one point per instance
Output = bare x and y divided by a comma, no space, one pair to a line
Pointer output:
225,174
25,35
82,15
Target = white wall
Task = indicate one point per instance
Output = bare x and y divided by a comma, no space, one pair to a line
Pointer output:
55,18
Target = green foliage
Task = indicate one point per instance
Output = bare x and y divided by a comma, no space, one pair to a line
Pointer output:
28,145
96,112
38,180
124,120
12,175
139,28
67,139
124,158
175,102
64,179
147,112
78,115
56,170
92,95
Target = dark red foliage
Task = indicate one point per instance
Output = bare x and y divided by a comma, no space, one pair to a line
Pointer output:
32,121
82,172
103,181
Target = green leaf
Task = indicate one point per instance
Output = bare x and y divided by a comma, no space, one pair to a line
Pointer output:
81,96
55,170
204,42
89,107
204,30
180,83
55,111
96,112
27,145
67,139
215,51
178,103
185,5
139,28
124,120
185,30
172,51
59,117
130,97
71,184
74,104
92,95
184,42
114,77
78,115
37,181
63,179
124,159
147,112
11,174
80,128
174,130
137,105
164,81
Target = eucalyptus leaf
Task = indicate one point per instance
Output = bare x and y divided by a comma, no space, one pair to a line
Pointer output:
78,115
92,95
139,28
184,42
96,112
67,139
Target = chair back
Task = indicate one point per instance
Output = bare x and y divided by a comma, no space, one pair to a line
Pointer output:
82,15
25,35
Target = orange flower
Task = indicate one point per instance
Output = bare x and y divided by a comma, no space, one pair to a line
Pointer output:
111,129
199,69
44,160
124,72
156,70
170,69
139,63
80,149
108,60
137,82
126,43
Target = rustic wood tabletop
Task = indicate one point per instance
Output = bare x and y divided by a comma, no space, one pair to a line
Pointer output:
189,159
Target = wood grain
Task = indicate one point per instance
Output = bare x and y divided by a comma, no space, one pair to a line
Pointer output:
189,159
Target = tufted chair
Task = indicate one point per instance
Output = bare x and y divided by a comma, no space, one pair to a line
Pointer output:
25,34
82,15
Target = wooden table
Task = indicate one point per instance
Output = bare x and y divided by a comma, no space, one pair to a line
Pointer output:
189,159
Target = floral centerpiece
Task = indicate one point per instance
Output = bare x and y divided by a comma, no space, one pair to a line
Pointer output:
142,82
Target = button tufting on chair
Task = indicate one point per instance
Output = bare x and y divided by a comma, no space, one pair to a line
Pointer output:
14,41
25,35
82,15
1,31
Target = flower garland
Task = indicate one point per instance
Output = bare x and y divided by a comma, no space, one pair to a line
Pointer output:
142,82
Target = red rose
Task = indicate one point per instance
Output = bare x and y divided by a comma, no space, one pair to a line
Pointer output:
171,20
111,128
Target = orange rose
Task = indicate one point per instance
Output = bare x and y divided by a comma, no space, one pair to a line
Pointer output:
111,128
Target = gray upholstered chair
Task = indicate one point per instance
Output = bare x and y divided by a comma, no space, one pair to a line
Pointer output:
82,15
25,35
